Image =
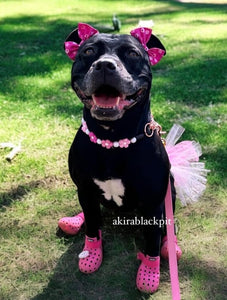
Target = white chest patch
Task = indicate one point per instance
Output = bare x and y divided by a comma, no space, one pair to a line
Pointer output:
113,189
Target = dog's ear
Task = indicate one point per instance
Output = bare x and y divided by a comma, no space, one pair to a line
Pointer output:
155,50
71,44
154,42
73,37
77,37
151,44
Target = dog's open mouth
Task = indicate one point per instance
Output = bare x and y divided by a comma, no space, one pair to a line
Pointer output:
107,97
107,103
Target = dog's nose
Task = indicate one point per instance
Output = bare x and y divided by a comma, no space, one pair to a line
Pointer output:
106,64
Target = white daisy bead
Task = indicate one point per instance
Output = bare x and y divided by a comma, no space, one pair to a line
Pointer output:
99,141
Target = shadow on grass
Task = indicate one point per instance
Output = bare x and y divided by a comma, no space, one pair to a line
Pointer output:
17,193
114,280
116,277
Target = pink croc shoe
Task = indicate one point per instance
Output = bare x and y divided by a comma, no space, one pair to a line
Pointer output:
164,248
148,275
90,259
71,225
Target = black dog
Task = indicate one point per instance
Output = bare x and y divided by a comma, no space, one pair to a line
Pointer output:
117,158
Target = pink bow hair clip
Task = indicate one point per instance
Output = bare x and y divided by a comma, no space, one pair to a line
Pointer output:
143,34
85,31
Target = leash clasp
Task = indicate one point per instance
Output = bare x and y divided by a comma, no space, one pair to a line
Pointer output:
152,126
146,128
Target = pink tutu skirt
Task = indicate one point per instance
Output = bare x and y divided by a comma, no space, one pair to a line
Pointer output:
189,174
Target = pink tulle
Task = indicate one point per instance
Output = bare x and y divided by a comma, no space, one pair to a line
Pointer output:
188,172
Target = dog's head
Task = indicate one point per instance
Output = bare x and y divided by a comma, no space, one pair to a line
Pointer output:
111,73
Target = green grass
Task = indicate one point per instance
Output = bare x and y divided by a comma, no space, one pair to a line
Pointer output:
38,108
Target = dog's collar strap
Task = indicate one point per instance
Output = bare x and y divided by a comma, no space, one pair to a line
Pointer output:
149,130
123,143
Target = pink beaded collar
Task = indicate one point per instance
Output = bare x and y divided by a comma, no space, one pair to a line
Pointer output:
123,143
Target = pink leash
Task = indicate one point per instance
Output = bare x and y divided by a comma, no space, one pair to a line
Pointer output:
171,246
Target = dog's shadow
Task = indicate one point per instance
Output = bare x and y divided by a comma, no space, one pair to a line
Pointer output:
116,279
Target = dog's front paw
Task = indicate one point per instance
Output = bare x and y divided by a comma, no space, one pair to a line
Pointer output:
90,259
148,275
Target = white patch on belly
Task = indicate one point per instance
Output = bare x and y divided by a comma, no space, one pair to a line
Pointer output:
113,189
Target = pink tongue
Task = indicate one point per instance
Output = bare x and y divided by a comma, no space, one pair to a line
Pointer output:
105,101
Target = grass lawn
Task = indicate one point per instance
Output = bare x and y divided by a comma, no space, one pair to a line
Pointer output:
39,109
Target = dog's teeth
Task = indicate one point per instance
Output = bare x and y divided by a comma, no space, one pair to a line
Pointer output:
105,106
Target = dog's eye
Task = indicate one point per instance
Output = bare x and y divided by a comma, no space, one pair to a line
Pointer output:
89,51
133,53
